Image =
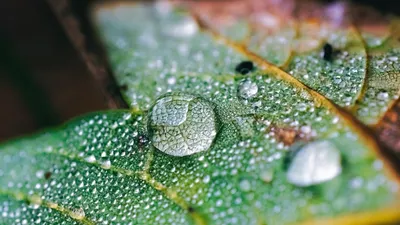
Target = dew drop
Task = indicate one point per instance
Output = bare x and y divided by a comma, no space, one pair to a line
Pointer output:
106,164
171,80
314,163
247,89
39,173
382,96
184,28
182,124
206,179
244,185
267,176
302,107
77,214
90,159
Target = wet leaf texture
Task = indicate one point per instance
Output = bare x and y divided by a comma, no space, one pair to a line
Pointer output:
229,124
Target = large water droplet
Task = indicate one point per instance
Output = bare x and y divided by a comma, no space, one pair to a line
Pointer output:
182,124
314,163
247,89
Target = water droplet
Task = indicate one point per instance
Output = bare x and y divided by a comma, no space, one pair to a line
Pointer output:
244,185
77,214
247,89
185,28
314,163
356,182
206,179
382,96
302,107
91,159
39,173
182,124
267,176
106,164
171,80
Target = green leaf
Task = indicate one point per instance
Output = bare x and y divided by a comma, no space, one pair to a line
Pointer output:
259,147
361,73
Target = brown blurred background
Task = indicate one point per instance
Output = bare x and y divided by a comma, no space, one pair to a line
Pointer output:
43,81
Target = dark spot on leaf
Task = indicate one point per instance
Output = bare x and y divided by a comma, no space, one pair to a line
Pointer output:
244,67
327,52
288,135
47,175
191,209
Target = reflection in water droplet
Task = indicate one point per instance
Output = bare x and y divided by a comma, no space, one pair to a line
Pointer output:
182,124
315,163
247,89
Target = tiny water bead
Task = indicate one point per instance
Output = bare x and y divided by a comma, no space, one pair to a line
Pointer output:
182,124
315,163
78,214
247,89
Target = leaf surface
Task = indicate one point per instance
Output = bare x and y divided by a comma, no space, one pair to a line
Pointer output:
104,169
360,71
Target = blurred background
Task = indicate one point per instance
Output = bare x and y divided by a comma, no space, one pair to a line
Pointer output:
43,80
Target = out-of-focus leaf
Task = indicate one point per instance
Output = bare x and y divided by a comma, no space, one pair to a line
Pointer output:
359,71
264,165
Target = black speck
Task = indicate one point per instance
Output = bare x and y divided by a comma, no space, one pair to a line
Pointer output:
244,67
47,175
191,209
328,52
